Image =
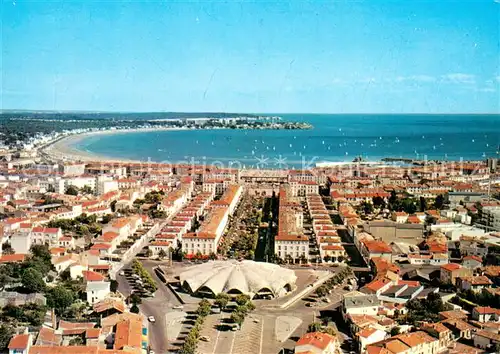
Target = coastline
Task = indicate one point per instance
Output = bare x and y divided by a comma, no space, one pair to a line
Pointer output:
64,148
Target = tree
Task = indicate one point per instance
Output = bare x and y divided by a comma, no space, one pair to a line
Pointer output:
250,306
87,189
423,204
378,202
314,327
395,331
71,190
242,299
153,197
238,318
330,330
42,252
189,346
367,207
6,332
393,200
408,205
76,341
158,214
162,254
7,248
439,201
60,298
204,307
32,281
135,299
134,309
107,218
321,291
113,286
222,300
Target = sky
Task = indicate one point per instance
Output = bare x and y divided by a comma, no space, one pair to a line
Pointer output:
336,56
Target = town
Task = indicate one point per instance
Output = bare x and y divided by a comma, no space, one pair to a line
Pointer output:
124,257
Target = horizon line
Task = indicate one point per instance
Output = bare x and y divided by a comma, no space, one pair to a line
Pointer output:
21,110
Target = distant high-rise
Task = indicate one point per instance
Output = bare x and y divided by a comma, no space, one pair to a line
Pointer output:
492,164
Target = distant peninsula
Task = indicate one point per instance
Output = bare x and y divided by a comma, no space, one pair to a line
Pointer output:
22,129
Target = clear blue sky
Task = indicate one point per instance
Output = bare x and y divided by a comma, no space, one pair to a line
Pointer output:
333,56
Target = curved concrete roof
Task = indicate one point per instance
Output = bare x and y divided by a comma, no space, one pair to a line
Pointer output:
247,277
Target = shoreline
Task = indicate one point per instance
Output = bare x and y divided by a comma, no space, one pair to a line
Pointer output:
63,148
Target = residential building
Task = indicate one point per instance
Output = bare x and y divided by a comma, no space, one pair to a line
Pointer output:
474,283
97,287
451,271
317,343
415,343
20,344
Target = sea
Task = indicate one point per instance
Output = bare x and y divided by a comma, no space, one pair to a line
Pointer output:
335,138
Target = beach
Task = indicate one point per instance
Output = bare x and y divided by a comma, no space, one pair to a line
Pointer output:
335,139
65,148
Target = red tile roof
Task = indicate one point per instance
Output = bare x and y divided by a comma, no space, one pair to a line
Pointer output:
74,349
377,246
12,258
20,341
89,275
368,331
450,267
128,334
316,339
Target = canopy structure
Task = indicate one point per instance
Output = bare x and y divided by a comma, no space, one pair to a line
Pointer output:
255,279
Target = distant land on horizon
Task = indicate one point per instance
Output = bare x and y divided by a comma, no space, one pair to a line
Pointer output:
216,114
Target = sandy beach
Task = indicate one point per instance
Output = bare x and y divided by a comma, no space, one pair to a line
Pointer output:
64,148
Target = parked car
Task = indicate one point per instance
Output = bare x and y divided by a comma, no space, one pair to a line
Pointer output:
178,307
151,319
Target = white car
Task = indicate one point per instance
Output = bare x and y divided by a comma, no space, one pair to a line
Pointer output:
122,273
178,307
151,319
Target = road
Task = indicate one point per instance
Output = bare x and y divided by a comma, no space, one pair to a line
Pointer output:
158,306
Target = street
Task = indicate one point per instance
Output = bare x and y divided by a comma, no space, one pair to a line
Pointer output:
157,306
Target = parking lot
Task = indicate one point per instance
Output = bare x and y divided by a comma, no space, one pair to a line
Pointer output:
161,306
268,329
135,283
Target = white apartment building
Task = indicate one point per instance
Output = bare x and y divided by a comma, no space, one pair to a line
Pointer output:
97,287
491,217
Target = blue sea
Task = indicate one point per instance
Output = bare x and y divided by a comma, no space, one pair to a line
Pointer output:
334,138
